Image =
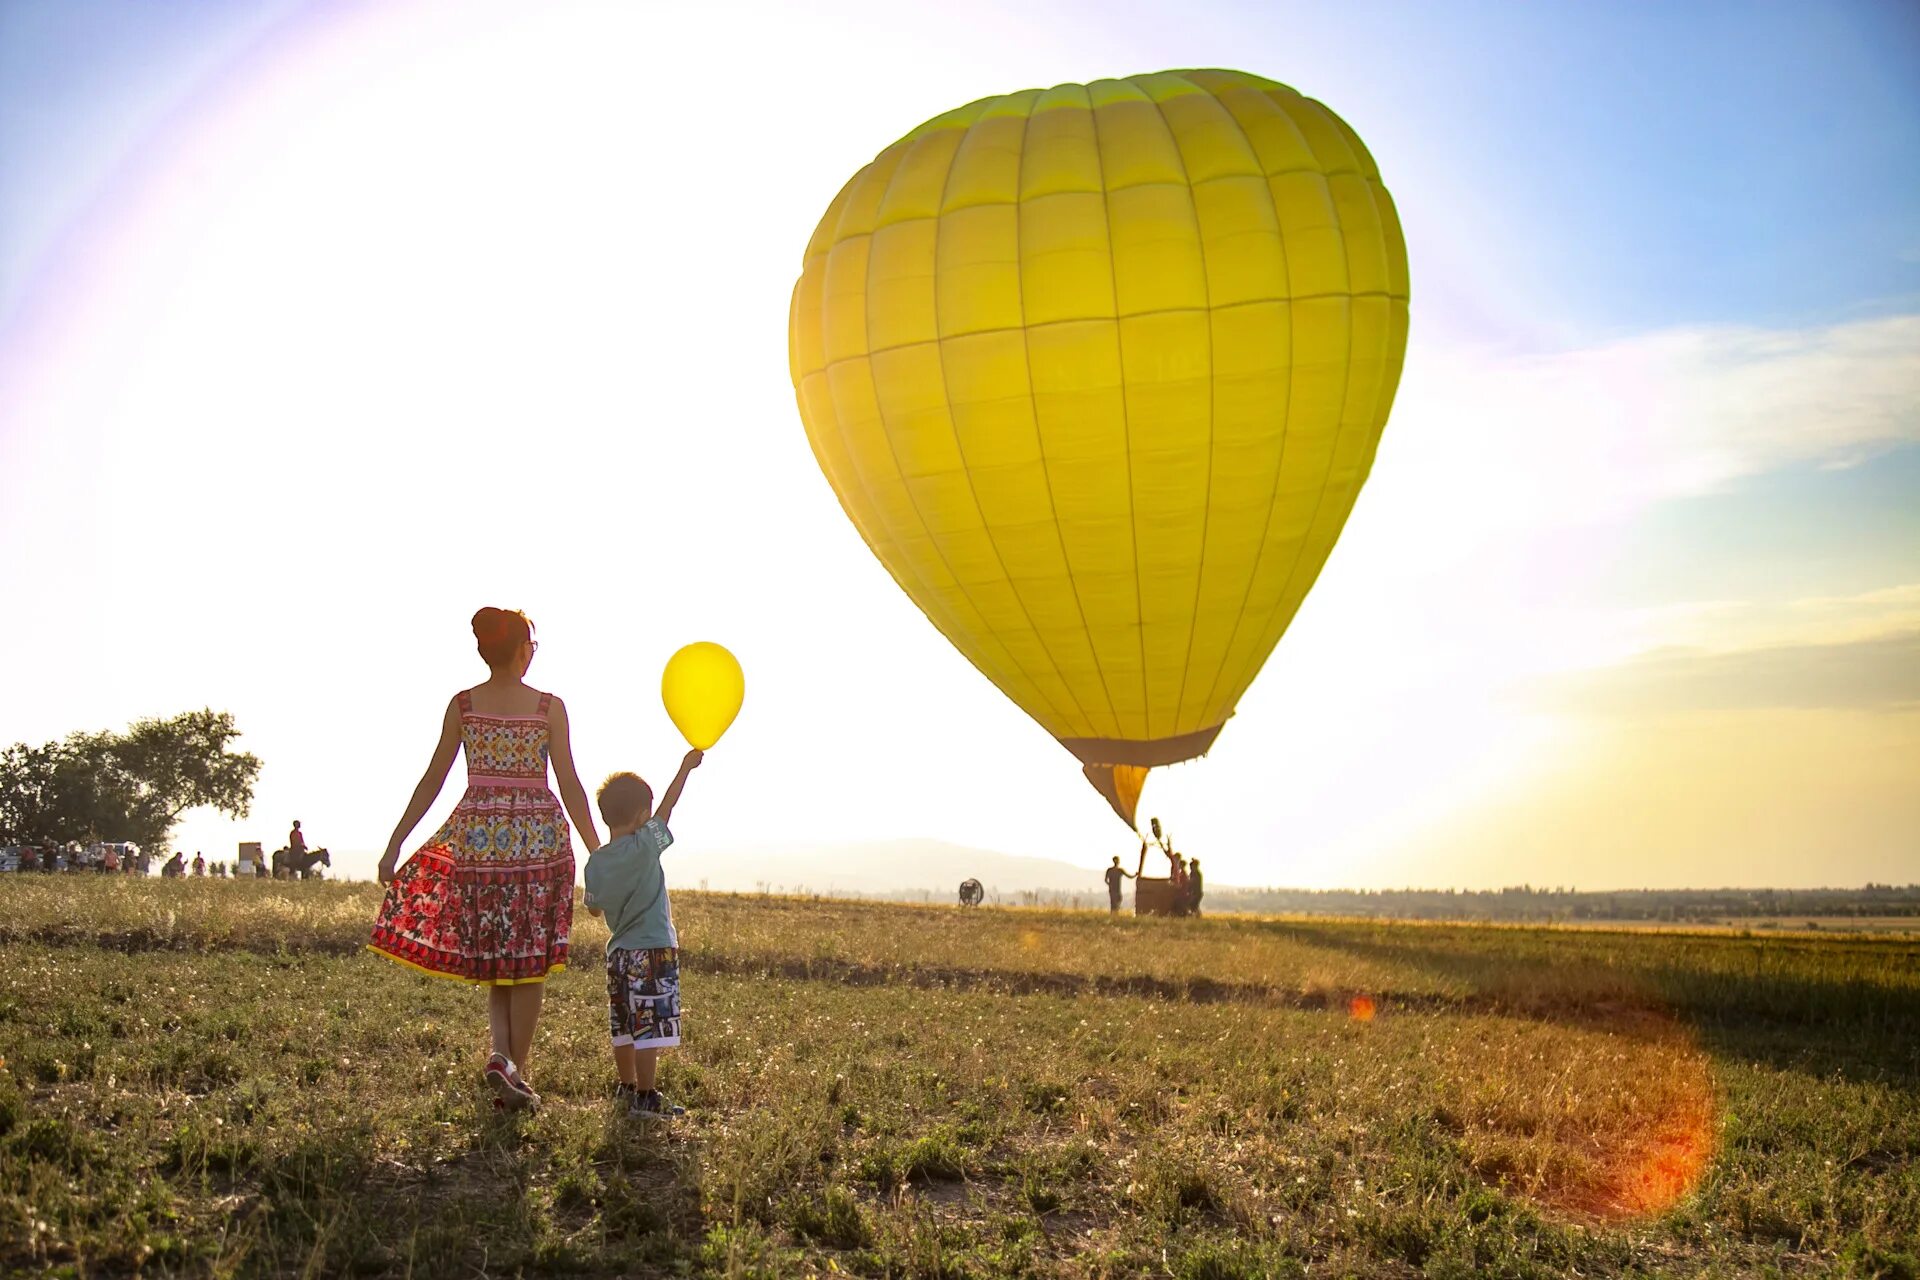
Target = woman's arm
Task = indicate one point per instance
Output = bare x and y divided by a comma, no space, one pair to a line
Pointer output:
572,794
430,783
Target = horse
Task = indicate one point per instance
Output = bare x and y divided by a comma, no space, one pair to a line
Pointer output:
288,865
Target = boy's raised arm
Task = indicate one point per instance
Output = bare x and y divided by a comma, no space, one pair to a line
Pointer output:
664,810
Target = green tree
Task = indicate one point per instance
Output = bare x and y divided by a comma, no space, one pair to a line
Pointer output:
188,763
29,800
131,786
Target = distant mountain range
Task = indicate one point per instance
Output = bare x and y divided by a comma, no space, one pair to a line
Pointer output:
885,867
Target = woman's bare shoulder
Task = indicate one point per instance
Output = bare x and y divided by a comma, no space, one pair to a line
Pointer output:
519,700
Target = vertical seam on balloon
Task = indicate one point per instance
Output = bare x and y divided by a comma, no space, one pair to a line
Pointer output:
1339,430
1126,416
1046,475
940,349
859,526
839,423
859,472
960,450
1033,407
1206,507
1286,428
839,427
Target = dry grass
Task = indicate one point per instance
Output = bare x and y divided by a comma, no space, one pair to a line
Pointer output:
211,1079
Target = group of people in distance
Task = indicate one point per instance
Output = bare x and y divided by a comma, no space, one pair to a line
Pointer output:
488,899
132,860
1183,875
240,869
109,860
177,866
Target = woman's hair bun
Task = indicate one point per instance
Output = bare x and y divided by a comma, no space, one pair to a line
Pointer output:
500,633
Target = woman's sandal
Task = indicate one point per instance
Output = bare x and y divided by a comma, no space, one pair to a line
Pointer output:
510,1092
519,1083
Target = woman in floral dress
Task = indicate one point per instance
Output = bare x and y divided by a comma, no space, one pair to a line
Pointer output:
489,899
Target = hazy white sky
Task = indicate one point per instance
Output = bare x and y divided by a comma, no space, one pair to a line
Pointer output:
321,327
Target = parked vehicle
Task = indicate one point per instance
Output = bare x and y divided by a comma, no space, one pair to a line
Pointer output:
251,862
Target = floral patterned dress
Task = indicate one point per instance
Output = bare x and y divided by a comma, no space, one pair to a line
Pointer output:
490,897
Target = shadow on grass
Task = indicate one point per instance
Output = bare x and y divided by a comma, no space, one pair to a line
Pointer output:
509,1203
1736,994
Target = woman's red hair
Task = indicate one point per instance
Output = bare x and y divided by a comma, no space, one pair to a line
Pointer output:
500,633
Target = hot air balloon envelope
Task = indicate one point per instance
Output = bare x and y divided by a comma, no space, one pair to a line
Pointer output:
1098,371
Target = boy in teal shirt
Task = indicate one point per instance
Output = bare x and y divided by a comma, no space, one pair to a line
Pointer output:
626,884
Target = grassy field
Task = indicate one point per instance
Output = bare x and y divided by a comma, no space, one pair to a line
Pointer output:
211,1078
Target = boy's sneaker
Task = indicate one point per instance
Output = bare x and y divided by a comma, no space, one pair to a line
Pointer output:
624,1095
649,1104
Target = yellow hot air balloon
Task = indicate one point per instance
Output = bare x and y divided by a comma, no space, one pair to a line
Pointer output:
702,687
1098,371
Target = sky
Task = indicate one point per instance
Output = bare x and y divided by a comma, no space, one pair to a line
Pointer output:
323,325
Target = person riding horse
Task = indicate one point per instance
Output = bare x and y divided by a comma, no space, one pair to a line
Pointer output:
289,865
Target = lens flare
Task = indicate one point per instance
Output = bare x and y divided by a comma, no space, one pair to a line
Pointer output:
1653,1169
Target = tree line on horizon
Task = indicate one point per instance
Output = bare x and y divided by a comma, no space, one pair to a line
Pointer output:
1513,904
1538,905
134,786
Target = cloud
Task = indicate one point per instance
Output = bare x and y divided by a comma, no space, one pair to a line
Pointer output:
1750,624
1737,402
1593,435
1841,652
1877,674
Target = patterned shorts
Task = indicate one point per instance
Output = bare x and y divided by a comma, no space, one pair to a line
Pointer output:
643,997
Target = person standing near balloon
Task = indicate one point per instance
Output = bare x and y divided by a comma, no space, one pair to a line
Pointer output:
627,885
1115,874
489,898
702,688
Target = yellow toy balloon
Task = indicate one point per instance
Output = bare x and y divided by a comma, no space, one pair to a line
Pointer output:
703,687
1098,371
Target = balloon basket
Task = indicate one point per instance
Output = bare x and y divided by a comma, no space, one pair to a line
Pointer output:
1157,898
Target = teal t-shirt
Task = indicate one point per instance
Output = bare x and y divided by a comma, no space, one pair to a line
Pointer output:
624,879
